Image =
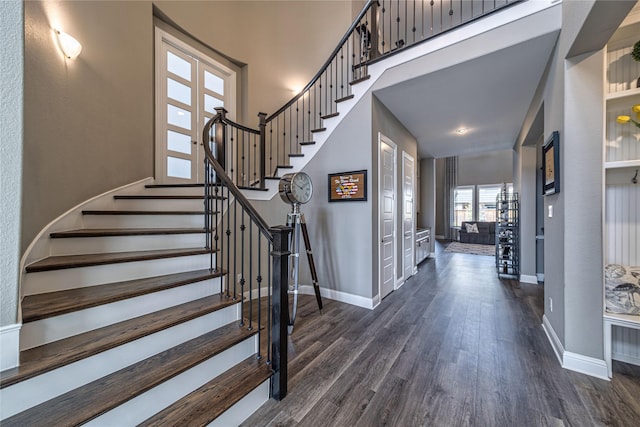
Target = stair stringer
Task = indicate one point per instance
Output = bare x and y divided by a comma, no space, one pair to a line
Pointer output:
543,23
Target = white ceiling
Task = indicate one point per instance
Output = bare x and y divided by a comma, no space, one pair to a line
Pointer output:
489,96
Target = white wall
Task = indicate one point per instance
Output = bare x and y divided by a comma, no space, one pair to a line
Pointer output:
11,134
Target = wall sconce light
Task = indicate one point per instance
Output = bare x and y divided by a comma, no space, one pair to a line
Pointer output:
70,47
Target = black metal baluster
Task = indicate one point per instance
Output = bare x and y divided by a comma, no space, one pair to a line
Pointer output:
450,13
414,22
235,249
242,263
269,287
251,275
229,246
259,281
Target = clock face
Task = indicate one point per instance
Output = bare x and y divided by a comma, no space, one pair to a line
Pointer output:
295,188
301,187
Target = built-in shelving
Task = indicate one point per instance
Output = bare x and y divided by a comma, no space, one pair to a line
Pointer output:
621,198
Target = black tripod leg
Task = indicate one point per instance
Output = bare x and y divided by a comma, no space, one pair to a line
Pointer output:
312,264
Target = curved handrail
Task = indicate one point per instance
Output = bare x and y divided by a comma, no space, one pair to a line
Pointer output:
328,62
221,174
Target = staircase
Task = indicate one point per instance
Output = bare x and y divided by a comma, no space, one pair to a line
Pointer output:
124,323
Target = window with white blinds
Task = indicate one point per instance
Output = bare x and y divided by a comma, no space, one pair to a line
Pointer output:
476,202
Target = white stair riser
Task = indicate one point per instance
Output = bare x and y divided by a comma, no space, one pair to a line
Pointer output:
96,245
160,204
144,221
71,278
28,393
44,331
245,407
174,191
136,410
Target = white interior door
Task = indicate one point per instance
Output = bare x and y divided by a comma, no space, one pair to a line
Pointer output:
189,86
387,184
408,216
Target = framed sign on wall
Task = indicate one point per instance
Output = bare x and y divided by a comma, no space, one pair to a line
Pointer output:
551,165
348,186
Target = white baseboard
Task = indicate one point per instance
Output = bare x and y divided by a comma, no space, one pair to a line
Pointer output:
540,277
356,300
528,278
626,358
585,365
440,236
9,346
574,361
432,255
557,346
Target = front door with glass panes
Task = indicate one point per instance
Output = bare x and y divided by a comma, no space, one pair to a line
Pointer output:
189,86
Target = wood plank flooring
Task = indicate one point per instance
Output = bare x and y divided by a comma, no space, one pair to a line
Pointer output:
454,346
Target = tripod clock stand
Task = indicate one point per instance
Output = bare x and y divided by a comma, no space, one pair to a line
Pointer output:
296,189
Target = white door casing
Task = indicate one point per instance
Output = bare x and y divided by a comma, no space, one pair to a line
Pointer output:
189,85
408,215
387,211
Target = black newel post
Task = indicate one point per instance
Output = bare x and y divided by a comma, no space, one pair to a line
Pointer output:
263,145
280,309
221,138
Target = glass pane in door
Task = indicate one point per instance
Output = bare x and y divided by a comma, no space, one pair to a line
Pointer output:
178,117
178,142
178,91
213,83
178,168
178,66
210,103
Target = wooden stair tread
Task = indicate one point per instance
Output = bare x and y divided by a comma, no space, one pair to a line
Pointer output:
91,400
307,143
208,402
330,115
318,130
200,185
296,155
242,187
107,232
346,98
284,167
86,260
42,306
139,212
59,353
272,178
360,80
163,197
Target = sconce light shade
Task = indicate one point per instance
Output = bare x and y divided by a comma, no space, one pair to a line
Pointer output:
70,47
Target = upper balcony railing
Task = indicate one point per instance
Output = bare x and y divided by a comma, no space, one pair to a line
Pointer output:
382,28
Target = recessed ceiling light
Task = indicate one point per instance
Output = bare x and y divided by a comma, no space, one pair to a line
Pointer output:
461,131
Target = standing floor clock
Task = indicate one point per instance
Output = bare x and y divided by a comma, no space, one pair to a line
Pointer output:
296,189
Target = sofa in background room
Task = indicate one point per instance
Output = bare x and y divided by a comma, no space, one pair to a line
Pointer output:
485,235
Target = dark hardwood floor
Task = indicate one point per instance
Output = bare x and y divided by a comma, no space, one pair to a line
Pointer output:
454,346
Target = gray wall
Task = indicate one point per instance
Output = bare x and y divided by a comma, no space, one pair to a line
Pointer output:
493,167
427,206
341,232
573,257
11,135
95,114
